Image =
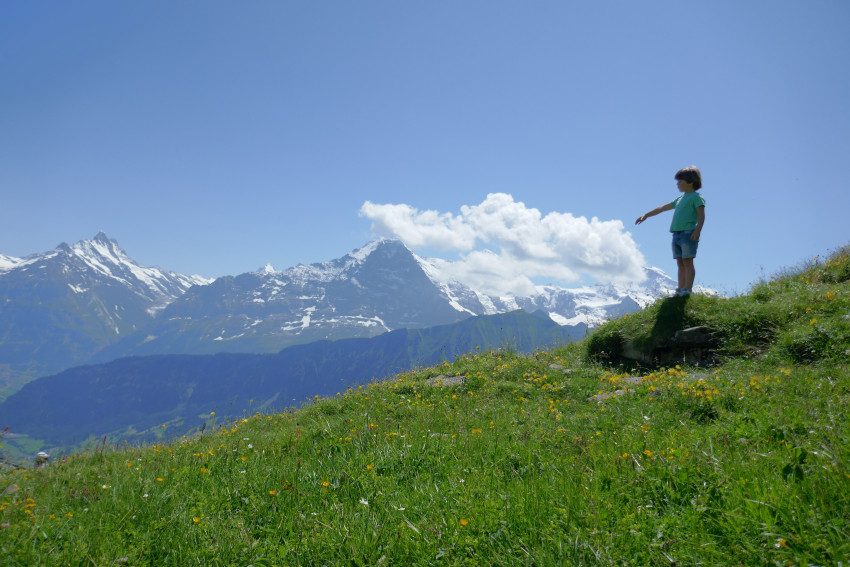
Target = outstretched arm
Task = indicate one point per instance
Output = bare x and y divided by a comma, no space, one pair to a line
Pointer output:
653,212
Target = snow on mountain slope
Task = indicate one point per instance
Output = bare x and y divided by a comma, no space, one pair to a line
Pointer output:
591,305
103,256
60,307
8,262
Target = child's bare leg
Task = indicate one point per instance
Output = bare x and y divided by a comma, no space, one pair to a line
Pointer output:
680,263
690,272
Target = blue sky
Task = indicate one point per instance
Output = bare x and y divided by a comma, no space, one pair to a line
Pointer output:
517,140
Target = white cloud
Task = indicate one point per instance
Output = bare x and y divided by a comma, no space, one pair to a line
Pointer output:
504,245
426,229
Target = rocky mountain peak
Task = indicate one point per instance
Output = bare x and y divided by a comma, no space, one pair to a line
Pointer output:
63,305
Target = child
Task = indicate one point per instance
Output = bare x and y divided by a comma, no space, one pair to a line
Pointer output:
688,218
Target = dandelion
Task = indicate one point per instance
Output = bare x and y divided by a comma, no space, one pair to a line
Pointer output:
648,453
463,521
205,470
273,492
159,479
370,467
196,519
326,484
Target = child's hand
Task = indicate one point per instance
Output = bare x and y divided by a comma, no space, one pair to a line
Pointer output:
695,235
640,219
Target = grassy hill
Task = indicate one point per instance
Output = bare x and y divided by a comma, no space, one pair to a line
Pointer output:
577,455
129,399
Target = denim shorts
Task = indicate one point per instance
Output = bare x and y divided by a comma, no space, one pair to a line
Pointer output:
683,246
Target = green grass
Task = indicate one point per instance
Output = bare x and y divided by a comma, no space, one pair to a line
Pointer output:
743,463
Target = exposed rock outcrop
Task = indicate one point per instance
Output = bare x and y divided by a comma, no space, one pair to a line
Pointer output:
694,345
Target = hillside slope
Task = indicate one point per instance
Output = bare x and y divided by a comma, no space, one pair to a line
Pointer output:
542,459
129,399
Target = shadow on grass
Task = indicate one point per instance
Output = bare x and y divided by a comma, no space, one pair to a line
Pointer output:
641,347
671,318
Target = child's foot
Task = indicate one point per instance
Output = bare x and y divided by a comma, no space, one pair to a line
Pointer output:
683,292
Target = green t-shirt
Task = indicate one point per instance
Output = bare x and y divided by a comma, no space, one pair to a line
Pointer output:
685,211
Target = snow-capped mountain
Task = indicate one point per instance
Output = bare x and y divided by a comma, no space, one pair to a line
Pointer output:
96,263
369,291
60,307
589,305
380,287
101,259
89,302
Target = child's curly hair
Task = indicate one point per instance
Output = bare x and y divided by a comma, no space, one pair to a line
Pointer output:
690,175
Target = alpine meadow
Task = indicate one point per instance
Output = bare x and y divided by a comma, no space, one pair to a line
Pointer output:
384,294
585,454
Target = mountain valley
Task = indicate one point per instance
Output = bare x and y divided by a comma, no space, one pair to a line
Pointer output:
92,343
